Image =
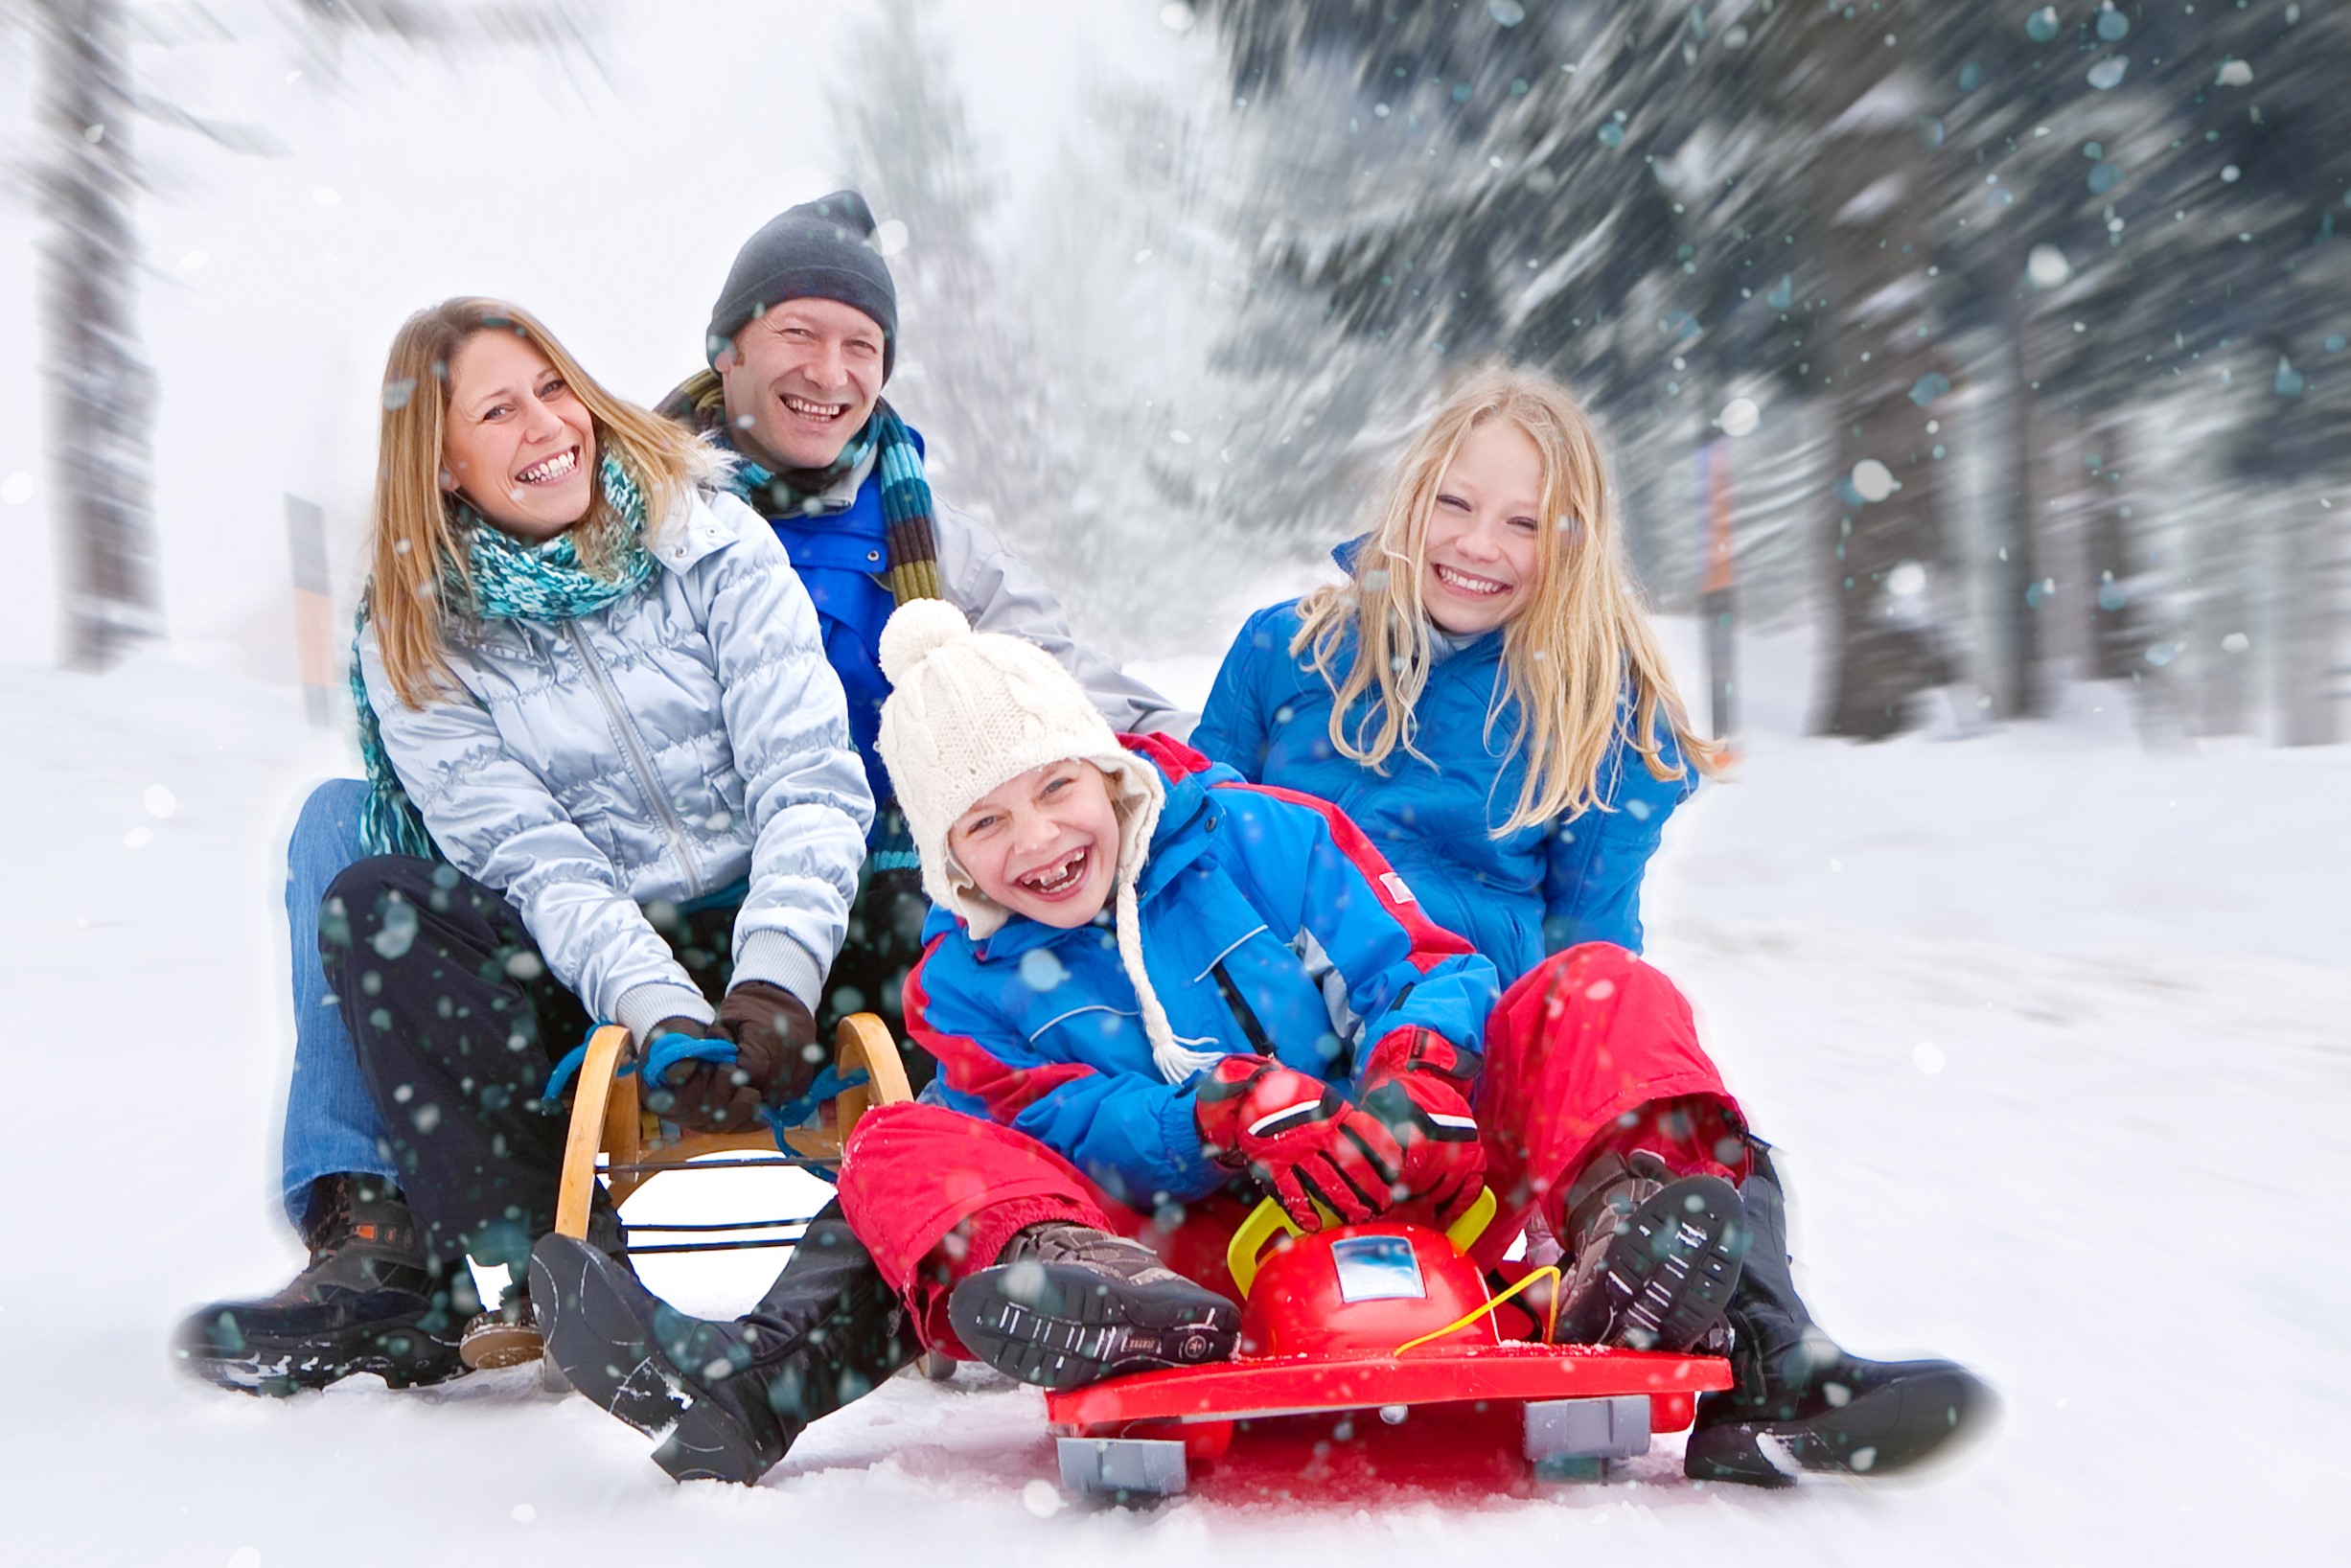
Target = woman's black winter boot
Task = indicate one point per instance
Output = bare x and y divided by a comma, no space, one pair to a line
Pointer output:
1800,1402
727,1398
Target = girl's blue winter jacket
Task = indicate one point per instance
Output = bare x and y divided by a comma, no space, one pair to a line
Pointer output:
1518,898
1270,927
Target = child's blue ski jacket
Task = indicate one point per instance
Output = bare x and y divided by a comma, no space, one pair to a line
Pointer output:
1270,927
1519,897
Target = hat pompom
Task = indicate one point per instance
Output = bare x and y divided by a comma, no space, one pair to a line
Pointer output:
919,629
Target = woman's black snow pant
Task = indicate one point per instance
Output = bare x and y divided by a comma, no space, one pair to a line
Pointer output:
459,1023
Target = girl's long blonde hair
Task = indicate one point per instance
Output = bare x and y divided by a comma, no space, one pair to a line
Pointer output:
1568,652
418,550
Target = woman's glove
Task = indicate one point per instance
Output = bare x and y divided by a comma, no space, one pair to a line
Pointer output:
772,1030
1299,1137
701,1096
1416,1084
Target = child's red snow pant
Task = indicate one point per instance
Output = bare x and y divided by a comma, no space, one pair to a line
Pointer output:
1592,1051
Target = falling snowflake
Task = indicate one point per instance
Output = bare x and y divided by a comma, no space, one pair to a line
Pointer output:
1041,970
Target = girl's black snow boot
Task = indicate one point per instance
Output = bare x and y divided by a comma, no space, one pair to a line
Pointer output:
367,1302
1652,1259
726,1399
1799,1401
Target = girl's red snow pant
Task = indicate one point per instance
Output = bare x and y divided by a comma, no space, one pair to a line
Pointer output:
1591,1051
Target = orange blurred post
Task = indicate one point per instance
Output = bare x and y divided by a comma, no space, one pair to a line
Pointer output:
1718,605
305,533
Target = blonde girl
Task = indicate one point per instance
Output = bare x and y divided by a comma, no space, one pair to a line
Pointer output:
1484,694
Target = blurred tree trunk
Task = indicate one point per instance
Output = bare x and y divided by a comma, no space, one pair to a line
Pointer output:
2118,634
2024,689
102,396
965,374
101,392
1887,647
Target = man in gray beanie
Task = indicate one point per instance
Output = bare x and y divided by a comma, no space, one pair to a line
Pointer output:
802,340
821,249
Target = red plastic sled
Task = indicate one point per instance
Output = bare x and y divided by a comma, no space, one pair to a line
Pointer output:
1370,1357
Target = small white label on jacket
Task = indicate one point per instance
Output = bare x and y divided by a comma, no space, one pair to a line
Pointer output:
1397,891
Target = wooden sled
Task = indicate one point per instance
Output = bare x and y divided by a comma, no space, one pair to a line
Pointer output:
613,1136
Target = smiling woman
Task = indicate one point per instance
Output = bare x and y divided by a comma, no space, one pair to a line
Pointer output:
519,444
482,407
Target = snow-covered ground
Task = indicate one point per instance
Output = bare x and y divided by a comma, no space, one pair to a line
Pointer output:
2052,1032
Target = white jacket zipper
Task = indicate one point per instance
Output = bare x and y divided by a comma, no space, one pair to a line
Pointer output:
639,762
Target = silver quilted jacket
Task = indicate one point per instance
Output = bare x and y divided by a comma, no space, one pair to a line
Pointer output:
686,738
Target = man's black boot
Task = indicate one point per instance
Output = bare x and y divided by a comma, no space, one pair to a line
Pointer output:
1652,1259
726,1399
1799,1401
1066,1306
367,1302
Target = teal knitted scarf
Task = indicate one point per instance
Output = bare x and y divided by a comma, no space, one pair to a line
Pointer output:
504,580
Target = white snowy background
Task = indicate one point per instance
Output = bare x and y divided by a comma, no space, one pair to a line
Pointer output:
2051,1027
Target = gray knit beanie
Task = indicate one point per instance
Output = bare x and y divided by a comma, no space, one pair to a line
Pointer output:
821,249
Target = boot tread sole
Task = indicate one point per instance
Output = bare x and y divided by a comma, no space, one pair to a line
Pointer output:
1062,1325
1667,1277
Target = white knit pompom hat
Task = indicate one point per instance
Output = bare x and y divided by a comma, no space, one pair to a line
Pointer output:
967,712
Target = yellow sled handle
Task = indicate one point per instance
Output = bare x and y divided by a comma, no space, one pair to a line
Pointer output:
1268,1220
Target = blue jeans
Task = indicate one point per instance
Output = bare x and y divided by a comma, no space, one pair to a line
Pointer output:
331,1120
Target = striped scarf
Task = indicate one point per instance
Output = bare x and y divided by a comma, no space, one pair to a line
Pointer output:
504,580
906,506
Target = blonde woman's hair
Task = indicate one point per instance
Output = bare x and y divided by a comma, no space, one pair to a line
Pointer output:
417,552
1581,636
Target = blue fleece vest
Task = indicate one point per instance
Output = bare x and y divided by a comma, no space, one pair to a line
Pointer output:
840,558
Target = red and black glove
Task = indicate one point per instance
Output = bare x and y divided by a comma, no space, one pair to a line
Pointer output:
1416,1084
1299,1137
